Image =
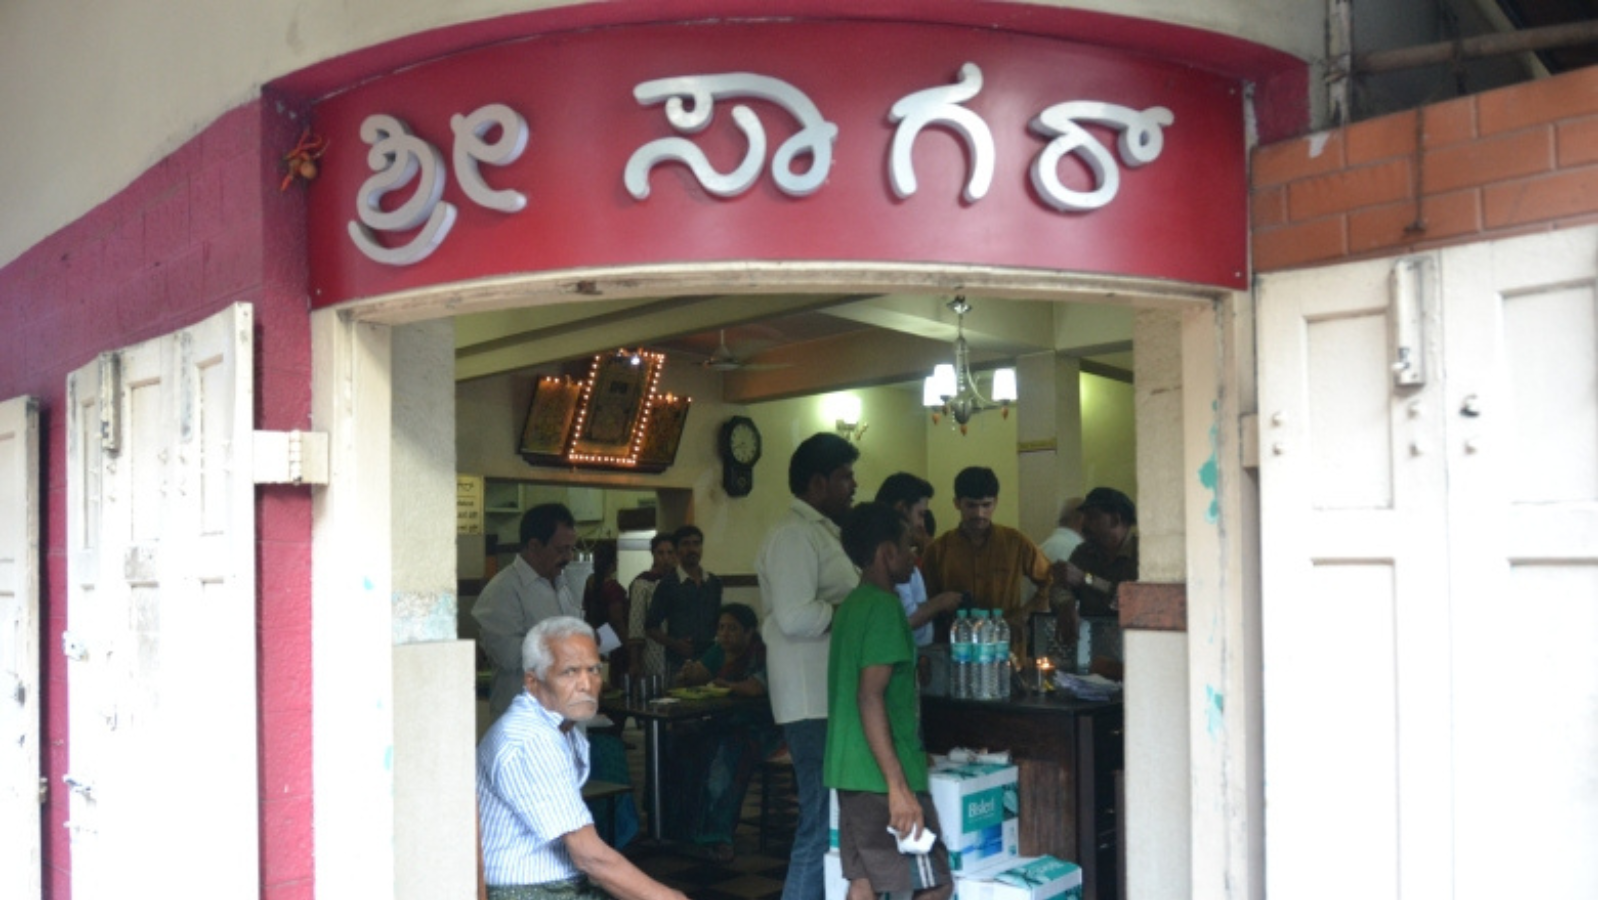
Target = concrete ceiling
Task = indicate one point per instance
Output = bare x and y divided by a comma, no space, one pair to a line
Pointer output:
791,345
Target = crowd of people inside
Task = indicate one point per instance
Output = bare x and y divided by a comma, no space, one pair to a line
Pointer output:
851,594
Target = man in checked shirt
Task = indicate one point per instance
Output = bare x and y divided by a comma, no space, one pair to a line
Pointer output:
539,840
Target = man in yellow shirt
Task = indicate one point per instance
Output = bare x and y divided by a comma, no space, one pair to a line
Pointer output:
986,560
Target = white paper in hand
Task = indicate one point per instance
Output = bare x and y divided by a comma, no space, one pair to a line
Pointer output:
917,846
608,638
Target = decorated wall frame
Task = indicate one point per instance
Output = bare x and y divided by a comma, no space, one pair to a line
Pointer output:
613,419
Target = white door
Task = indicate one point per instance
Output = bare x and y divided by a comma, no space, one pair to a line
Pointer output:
161,617
1428,574
1521,444
20,859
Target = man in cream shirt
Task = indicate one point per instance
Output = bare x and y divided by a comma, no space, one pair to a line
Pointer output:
804,573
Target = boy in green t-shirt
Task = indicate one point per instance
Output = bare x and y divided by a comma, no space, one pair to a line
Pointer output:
873,703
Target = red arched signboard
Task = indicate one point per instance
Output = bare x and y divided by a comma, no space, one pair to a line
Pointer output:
815,141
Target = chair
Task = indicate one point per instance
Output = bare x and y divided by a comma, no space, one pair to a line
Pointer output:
780,802
607,793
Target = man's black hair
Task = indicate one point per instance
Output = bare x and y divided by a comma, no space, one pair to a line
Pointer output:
866,527
539,523
904,487
820,454
976,483
687,531
662,537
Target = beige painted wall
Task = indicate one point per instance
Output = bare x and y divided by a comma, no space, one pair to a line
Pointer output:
1108,445
95,93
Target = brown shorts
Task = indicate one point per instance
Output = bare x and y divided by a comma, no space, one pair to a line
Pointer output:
867,849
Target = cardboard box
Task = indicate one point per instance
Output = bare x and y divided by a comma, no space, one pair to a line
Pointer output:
1034,878
977,805
970,883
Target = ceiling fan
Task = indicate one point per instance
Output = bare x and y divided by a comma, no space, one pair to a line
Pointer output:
723,360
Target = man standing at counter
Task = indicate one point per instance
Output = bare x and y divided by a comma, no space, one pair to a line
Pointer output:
909,495
804,573
1108,556
986,560
526,593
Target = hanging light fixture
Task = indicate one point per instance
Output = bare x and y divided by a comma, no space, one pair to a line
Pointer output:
951,390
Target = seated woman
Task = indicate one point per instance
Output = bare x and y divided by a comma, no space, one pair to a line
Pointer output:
738,662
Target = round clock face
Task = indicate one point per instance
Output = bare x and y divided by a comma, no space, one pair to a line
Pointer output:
744,442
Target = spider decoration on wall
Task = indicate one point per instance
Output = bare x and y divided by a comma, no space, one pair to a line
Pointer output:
301,162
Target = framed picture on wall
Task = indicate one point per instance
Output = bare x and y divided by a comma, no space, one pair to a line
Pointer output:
613,408
549,425
662,432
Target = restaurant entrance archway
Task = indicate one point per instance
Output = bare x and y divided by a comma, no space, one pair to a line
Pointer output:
382,389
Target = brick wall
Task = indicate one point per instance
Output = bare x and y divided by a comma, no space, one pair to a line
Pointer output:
1491,165
200,229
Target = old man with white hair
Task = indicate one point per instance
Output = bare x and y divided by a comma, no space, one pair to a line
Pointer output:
539,839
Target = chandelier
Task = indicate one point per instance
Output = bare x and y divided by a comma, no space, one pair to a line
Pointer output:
951,390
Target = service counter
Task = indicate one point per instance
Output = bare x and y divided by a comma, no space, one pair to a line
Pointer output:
1069,760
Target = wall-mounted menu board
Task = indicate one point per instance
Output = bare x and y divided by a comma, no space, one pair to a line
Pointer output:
614,419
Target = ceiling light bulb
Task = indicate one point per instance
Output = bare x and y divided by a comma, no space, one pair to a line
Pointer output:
1004,389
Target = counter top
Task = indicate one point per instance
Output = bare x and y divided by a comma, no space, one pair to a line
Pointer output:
1027,704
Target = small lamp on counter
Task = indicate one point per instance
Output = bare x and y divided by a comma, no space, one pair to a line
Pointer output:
1044,672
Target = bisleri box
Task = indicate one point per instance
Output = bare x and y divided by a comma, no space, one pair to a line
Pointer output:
1029,878
977,807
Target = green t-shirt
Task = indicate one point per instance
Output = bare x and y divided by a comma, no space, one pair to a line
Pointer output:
870,629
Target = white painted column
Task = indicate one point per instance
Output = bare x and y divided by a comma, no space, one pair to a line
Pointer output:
352,647
435,813
1156,737
1220,522
1049,440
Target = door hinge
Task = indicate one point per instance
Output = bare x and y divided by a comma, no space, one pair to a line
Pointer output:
1410,282
44,790
291,457
111,403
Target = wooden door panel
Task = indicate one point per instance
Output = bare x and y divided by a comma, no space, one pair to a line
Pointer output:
163,700
20,839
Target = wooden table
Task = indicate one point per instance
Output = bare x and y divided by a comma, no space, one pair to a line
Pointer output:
1068,753
661,714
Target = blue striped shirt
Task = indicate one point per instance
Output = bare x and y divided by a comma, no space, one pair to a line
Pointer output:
530,794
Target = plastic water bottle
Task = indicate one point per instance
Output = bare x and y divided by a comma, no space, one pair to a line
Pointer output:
983,638
961,657
1002,657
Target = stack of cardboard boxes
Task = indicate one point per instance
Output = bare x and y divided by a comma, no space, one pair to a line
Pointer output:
977,807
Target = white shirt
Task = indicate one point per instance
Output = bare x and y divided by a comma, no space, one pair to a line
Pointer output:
516,599
530,795
1059,545
804,573
913,594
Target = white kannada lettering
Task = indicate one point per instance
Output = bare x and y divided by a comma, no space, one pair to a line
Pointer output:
471,149
940,106
815,137
1140,142
397,156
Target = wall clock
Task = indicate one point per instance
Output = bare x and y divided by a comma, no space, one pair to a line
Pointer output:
740,445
